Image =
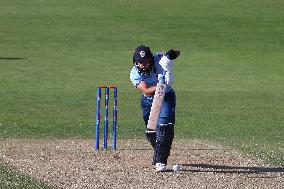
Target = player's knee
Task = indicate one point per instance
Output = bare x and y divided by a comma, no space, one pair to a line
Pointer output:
165,132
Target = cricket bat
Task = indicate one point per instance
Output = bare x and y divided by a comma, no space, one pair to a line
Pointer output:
157,103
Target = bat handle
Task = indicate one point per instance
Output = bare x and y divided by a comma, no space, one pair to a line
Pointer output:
161,77
164,73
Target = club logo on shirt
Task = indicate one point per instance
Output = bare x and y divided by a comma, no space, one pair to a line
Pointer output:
142,54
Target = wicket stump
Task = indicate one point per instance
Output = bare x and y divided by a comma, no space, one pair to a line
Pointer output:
106,114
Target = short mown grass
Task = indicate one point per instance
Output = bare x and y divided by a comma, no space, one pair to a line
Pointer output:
10,178
229,77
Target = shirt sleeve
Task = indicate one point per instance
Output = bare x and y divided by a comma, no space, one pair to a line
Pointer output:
166,64
158,67
135,77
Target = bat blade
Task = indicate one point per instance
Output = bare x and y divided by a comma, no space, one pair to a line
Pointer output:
156,106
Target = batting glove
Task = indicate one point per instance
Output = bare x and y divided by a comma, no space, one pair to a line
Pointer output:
173,54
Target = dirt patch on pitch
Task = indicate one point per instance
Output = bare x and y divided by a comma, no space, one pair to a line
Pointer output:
73,164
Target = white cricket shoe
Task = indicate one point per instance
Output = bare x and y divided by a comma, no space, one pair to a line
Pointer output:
160,167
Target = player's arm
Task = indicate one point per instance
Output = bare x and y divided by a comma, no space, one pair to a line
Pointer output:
148,91
167,64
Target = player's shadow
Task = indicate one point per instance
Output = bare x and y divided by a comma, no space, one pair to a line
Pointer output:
135,149
192,149
230,169
11,58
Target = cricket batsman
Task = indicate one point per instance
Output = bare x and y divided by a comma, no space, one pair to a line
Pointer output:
144,76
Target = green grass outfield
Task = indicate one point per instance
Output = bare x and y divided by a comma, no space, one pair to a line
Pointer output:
14,180
229,77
